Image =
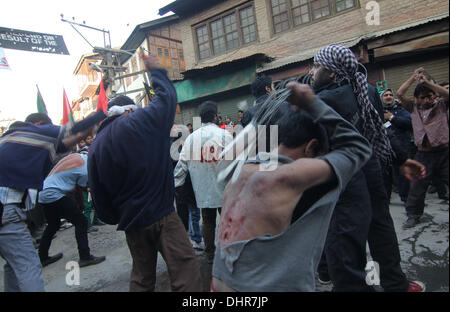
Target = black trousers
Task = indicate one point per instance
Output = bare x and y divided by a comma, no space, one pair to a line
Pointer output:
362,215
436,164
209,217
382,239
344,254
402,183
64,208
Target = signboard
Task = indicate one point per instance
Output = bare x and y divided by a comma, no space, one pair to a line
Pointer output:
32,41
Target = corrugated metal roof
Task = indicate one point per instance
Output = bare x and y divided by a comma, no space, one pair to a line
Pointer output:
249,57
406,26
309,54
188,7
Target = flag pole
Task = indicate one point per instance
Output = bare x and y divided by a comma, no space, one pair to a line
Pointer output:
40,102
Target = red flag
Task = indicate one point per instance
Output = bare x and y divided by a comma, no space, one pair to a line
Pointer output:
67,111
102,102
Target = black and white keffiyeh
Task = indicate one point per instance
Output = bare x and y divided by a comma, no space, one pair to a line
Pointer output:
341,61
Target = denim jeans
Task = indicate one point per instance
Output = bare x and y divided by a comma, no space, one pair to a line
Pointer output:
195,232
23,270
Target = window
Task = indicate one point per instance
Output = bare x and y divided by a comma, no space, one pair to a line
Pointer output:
226,32
218,37
342,5
203,42
181,55
166,52
248,25
320,8
280,15
300,12
159,52
293,13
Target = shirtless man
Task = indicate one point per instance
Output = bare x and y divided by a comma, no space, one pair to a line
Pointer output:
258,248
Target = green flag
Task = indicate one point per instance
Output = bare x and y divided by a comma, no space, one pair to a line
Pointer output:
40,102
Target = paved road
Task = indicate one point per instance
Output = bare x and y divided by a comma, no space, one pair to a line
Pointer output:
424,249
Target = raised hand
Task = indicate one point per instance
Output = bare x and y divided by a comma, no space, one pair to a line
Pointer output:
150,61
302,94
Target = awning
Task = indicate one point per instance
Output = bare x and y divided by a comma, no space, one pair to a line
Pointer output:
198,87
413,45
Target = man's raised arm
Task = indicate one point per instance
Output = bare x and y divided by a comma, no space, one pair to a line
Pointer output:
161,110
349,150
404,100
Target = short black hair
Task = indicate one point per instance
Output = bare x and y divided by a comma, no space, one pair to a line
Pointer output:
298,128
421,88
17,124
120,100
443,84
40,118
207,111
189,124
259,85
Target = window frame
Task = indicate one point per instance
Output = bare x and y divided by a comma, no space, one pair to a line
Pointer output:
312,20
239,29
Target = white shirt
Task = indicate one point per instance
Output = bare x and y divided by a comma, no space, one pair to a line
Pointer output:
199,156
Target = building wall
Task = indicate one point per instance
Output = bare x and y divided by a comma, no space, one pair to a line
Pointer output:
166,44
347,25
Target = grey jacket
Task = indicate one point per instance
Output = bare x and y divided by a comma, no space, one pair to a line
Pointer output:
288,261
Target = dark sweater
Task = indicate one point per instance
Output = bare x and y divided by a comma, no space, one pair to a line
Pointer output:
27,155
130,169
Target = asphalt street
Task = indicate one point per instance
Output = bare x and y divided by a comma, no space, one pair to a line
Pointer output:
424,250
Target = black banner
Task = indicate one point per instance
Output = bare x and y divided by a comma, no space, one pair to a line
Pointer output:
32,41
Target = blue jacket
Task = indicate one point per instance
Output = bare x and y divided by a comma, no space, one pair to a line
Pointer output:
401,129
129,166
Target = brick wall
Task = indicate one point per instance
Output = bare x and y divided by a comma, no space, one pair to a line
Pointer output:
344,26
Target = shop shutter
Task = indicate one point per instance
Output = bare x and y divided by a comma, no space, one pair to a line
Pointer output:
188,112
230,106
396,75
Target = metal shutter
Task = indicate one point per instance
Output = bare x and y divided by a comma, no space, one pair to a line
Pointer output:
396,75
188,111
230,106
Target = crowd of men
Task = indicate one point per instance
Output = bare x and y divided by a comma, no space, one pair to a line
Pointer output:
306,208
